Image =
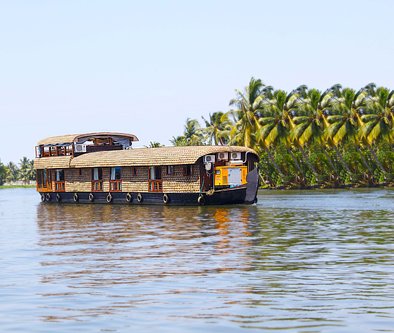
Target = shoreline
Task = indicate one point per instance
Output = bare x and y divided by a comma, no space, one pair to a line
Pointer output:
16,186
322,187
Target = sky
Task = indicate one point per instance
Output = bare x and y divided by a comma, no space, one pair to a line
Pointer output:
144,67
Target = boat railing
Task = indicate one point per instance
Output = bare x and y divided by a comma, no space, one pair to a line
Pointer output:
155,186
97,185
60,186
54,151
115,185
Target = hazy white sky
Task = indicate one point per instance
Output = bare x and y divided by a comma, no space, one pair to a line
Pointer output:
143,67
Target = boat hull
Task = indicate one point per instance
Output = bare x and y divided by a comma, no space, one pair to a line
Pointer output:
220,197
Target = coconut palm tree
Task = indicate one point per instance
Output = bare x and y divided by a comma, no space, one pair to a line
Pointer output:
192,135
378,117
341,120
247,106
308,119
179,141
274,124
377,121
274,119
154,144
217,128
26,170
308,124
12,172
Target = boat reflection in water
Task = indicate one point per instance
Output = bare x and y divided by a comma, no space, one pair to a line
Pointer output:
110,259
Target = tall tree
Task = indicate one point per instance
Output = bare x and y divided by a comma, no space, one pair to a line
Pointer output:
274,123
26,170
377,120
217,128
12,172
378,116
247,106
274,118
192,135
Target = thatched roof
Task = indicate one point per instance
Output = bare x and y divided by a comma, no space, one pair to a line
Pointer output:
151,156
55,162
70,138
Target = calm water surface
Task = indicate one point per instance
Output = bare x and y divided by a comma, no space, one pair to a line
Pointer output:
320,261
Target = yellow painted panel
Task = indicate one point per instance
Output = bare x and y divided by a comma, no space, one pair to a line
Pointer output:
221,174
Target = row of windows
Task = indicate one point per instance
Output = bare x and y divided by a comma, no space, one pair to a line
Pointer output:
45,180
54,151
155,173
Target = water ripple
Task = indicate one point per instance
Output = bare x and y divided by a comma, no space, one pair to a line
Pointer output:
296,262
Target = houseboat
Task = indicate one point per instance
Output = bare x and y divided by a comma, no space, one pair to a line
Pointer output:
104,168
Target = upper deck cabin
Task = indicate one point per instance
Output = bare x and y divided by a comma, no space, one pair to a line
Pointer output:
77,144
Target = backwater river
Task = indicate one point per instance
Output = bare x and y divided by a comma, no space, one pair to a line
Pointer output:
298,261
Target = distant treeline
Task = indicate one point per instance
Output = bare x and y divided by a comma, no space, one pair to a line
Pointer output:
307,138
23,172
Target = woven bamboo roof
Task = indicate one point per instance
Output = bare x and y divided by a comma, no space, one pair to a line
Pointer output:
70,138
55,162
151,156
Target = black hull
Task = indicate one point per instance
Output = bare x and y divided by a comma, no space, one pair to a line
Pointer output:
220,197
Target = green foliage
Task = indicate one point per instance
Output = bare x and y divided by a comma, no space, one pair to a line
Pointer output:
11,172
154,144
193,135
307,138
3,173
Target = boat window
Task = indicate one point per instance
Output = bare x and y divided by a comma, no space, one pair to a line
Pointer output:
61,151
97,173
134,171
60,175
53,151
155,173
46,152
116,173
38,151
69,150
42,178
170,170
187,170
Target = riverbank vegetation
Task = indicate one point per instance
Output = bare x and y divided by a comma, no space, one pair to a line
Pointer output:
17,175
307,138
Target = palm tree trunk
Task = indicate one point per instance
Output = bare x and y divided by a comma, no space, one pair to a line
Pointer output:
306,158
272,160
297,165
340,157
330,161
264,179
375,157
363,160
